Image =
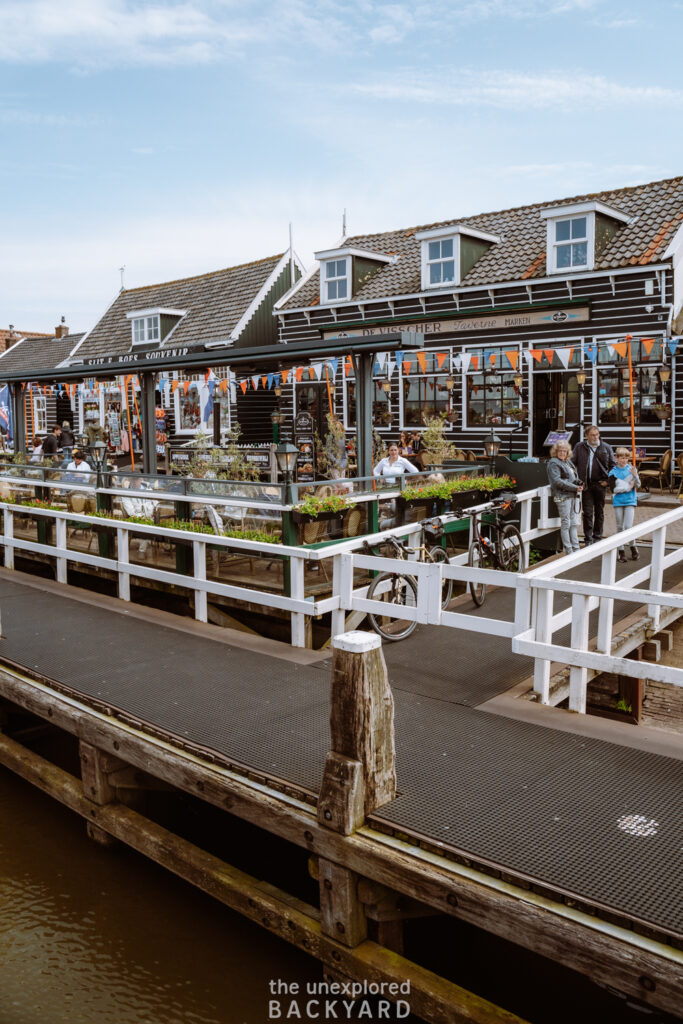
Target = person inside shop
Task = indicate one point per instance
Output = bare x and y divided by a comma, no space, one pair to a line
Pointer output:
53,442
67,440
393,464
405,445
37,450
566,489
593,459
624,483
417,446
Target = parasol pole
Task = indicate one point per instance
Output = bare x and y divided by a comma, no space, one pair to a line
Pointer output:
630,392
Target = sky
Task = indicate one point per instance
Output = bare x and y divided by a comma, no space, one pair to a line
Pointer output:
176,138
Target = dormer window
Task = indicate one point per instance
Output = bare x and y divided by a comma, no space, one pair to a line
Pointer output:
145,329
152,326
336,280
343,272
577,234
448,254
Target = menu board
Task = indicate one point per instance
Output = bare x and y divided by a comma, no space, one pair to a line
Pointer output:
305,442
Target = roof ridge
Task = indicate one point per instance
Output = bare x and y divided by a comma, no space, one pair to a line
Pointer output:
198,277
515,209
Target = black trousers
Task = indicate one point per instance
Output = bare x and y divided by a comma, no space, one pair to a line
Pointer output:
593,498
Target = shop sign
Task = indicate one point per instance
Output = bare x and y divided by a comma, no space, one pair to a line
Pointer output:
486,322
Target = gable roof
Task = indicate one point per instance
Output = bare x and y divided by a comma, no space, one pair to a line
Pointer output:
39,353
655,213
213,304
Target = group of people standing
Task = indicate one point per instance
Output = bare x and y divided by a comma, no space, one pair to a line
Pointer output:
579,481
60,439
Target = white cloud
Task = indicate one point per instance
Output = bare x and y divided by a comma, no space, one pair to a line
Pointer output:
514,90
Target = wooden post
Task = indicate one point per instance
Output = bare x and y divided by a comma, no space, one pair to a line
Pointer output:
96,766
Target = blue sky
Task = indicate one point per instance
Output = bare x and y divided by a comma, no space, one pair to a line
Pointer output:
178,138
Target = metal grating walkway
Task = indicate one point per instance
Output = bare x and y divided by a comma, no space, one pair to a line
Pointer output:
529,799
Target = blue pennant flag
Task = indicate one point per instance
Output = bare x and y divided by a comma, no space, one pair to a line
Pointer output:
270,380
672,345
334,363
592,352
398,356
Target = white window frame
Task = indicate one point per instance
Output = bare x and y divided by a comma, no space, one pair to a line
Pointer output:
81,410
480,428
325,280
441,260
618,428
454,231
391,405
201,428
39,414
554,245
553,214
150,329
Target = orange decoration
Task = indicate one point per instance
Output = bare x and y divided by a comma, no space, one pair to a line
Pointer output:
549,353
243,385
620,347
186,386
536,353
513,358
647,344
407,365
440,359
475,362
422,360
264,382
284,374
299,372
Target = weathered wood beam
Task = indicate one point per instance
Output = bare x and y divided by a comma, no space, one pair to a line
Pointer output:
95,767
608,953
431,997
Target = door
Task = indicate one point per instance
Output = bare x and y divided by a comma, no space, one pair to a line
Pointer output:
557,406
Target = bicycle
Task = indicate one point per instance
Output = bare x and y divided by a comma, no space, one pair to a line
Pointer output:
504,551
400,589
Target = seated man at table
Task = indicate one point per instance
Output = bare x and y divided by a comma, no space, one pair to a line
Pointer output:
77,468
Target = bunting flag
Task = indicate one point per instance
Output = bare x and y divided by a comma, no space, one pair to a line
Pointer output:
381,360
647,344
333,364
391,366
206,376
174,386
457,362
474,360
269,379
254,382
298,373
564,355
422,360
407,365
186,386
536,353
348,366
620,347
441,359
398,357
492,356
264,382
284,374
512,358
672,345
317,369
591,351
528,356
243,385
549,353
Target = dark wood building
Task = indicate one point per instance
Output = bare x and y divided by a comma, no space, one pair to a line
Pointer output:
525,314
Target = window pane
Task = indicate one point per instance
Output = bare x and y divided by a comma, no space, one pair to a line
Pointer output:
434,249
579,227
579,254
564,255
447,247
341,268
435,273
332,290
448,270
341,289
330,268
562,230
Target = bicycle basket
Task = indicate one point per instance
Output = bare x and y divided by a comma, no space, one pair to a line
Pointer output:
433,528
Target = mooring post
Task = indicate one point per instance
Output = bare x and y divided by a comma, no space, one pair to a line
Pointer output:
96,766
360,770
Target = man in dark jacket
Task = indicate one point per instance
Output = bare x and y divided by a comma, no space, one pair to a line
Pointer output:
593,459
52,442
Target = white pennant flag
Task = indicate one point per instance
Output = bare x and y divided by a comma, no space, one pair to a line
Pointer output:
317,369
380,359
564,355
391,366
254,381
528,356
465,358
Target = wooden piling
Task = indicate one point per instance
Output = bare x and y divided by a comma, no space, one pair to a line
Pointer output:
96,766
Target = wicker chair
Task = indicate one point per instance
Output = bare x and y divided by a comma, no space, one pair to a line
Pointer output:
661,474
679,461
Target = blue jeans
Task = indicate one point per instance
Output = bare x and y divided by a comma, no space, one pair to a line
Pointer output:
569,523
623,515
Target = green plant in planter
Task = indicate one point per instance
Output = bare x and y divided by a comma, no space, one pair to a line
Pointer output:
494,483
448,488
435,442
314,506
39,503
227,463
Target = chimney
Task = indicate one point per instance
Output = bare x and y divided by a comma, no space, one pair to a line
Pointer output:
61,330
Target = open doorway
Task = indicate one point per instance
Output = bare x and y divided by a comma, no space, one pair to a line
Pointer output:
557,405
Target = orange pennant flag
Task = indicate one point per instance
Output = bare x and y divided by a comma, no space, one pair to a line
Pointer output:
513,358
475,362
492,358
186,386
406,365
264,381
422,360
620,347
174,386
647,344
549,353
440,359
299,372
243,385
348,365
536,354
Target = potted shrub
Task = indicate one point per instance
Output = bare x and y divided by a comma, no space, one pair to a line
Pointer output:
436,448
318,509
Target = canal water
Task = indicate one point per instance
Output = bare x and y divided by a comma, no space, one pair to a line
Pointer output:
92,935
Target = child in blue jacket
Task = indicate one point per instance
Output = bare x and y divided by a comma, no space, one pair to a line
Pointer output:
624,482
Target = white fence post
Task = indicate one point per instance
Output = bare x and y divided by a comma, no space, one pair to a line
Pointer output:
578,676
525,526
544,631
200,602
657,573
9,535
338,614
123,556
297,591
60,543
608,573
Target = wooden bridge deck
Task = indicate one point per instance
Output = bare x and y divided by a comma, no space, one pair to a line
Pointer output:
530,801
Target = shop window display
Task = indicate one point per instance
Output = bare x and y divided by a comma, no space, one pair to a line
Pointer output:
614,400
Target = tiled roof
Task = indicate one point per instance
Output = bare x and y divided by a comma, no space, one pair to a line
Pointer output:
37,353
655,211
9,338
214,303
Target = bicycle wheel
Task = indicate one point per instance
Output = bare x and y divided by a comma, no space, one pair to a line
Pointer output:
512,549
398,591
438,554
478,558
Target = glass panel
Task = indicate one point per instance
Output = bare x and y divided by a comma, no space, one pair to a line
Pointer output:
448,270
579,227
330,269
435,273
434,250
579,254
341,289
332,290
564,255
447,248
614,401
562,230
